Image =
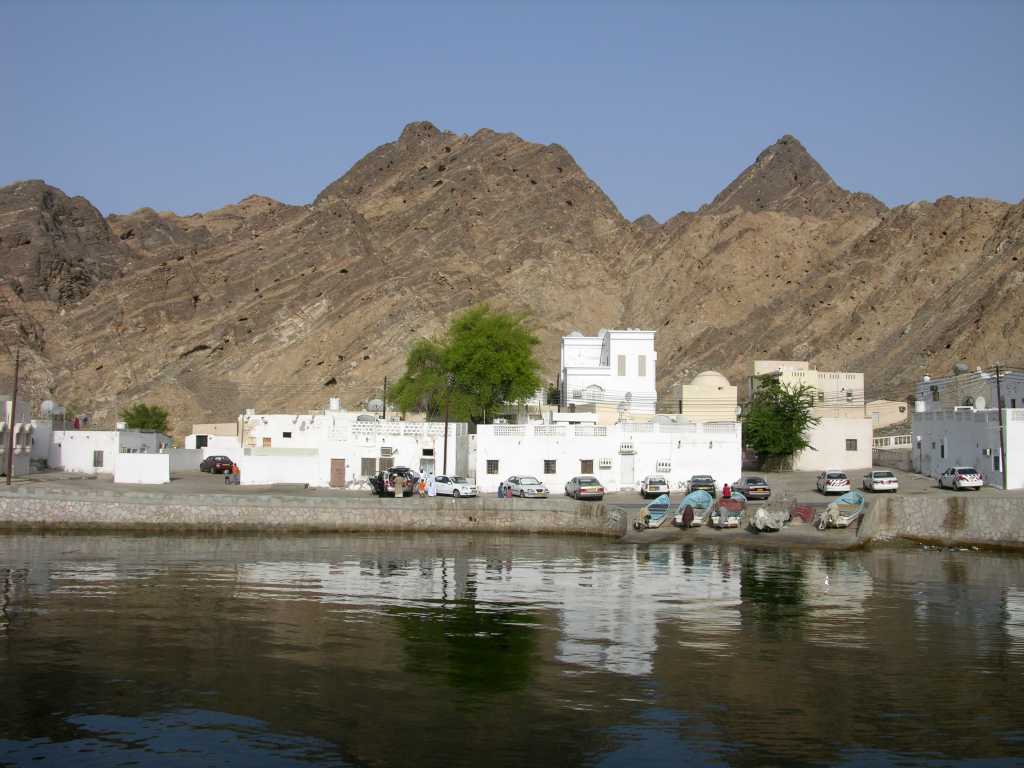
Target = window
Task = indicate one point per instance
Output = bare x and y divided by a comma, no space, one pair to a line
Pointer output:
549,466
935,393
266,442
849,395
97,458
1013,402
492,466
821,396
851,444
428,451
622,365
876,417
903,409
202,441
586,466
997,463
942,450
663,466
286,434
605,464
387,463
368,466
641,365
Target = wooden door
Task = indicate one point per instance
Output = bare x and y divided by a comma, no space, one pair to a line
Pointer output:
337,473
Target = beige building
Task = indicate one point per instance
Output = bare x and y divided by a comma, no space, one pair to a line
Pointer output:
885,413
709,397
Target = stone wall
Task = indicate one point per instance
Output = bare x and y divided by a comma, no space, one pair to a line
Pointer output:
893,459
963,519
32,509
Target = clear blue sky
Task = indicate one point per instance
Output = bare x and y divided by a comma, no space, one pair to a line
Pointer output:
189,106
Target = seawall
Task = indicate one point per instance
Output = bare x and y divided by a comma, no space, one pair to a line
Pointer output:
61,510
961,519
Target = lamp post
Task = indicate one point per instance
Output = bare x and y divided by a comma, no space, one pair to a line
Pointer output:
447,397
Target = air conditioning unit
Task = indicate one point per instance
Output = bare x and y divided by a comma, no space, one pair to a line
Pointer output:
386,452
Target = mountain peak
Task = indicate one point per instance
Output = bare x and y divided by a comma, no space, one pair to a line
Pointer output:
787,179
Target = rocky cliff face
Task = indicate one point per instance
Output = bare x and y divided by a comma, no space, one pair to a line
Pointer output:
266,305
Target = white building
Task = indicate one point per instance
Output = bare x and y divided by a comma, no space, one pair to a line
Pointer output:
336,448
613,372
842,438
21,424
619,455
955,423
96,451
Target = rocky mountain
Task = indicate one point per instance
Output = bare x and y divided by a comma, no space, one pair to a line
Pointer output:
272,306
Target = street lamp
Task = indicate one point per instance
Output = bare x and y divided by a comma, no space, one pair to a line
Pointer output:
447,397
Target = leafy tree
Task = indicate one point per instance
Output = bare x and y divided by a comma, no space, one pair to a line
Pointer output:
142,416
776,422
483,361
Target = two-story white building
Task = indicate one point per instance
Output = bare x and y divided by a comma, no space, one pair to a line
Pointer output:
843,435
614,373
956,423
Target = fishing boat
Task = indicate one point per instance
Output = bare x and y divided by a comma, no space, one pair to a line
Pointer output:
727,513
842,512
699,503
656,513
768,520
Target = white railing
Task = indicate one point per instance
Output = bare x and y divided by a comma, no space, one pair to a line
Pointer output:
589,430
509,430
636,428
890,442
548,431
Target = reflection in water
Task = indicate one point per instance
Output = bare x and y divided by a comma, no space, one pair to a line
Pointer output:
415,650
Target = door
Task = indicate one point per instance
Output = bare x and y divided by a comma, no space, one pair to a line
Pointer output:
627,470
337,473
427,465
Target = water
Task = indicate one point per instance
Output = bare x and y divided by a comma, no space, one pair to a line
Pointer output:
468,650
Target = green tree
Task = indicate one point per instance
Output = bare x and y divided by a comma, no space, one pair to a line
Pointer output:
776,422
483,361
142,416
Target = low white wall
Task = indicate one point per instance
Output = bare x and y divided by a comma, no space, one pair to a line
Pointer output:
142,468
72,451
273,469
184,458
828,445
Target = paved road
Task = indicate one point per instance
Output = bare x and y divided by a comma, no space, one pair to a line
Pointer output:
785,485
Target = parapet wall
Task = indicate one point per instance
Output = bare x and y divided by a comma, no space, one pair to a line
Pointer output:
56,511
962,519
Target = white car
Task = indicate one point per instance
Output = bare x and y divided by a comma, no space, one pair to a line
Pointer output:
833,481
959,478
527,486
453,485
654,485
880,480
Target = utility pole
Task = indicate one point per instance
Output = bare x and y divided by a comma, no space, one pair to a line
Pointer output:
999,410
14,411
385,416
447,397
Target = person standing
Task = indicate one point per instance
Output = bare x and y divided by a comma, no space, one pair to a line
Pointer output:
726,491
501,490
399,486
431,487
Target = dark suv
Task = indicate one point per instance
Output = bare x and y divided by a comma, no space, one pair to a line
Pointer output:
383,483
218,465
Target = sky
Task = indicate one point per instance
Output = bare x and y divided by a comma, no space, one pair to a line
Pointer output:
188,106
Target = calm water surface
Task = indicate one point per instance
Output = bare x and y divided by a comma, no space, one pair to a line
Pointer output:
459,650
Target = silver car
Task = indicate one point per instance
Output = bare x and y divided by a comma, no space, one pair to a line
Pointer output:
527,486
453,485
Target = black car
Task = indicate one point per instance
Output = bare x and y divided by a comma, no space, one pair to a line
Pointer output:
218,465
383,483
702,483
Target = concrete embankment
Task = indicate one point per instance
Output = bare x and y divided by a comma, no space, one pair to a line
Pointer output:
28,508
963,519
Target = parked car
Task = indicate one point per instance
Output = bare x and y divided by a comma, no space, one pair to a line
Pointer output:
702,483
753,487
383,483
654,485
959,478
454,485
833,481
585,487
880,480
217,465
527,486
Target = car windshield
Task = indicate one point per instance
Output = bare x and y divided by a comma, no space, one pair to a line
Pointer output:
588,481
756,481
967,470
836,476
655,479
458,479
702,478
529,481
884,474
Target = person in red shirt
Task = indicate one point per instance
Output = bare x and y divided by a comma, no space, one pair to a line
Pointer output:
726,491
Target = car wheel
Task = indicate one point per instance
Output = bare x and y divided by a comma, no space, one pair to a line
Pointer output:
455,492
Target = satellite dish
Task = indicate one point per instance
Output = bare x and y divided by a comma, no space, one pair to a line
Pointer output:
979,403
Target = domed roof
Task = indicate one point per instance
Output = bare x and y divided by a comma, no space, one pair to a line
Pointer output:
710,379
